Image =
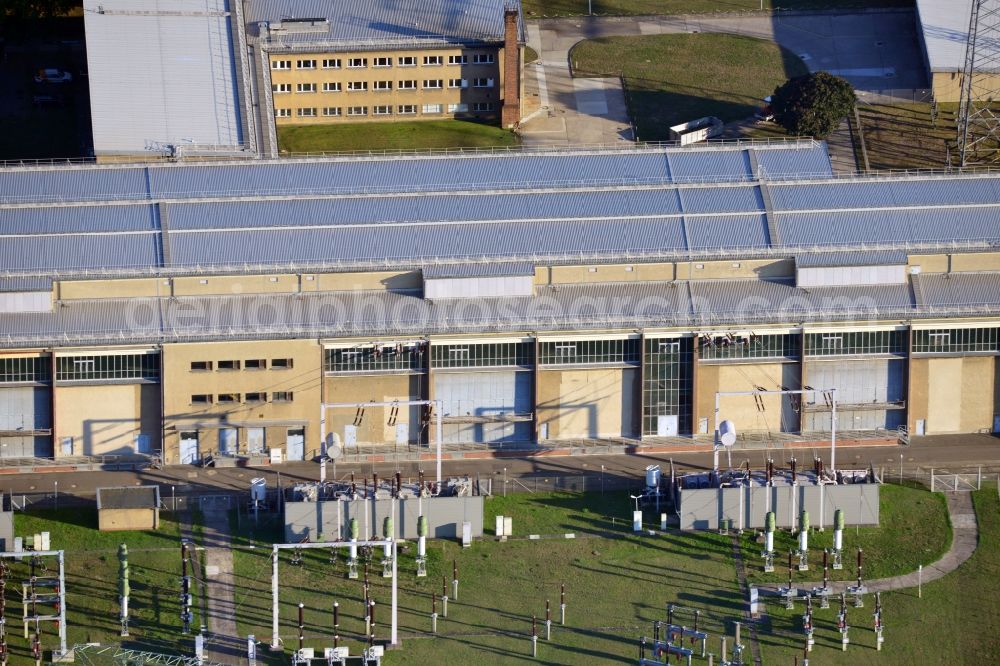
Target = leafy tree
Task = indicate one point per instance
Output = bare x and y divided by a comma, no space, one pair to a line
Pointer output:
813,104
35,9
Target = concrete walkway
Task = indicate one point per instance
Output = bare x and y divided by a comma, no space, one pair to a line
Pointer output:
965,536
222,643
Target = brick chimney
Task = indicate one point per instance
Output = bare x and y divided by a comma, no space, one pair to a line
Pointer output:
510,113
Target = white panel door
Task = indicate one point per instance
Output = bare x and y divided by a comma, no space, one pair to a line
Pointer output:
227,441
189,448
255,440
666,426
295,444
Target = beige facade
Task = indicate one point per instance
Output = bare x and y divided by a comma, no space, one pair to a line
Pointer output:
954,395
762,413
947,86
265,391
117,520
375,425
588,403
371,86
102,420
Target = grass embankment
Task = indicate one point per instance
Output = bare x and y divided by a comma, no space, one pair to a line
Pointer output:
542,8
913,529
672,79
615,588
957,620
414,135
92,584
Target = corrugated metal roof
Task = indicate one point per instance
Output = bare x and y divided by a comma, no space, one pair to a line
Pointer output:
944,26
129,497
477,270
25,284
792,163
566,307
861,194
971,289
363,21
855,228
161,74
80,219
852,258
733,231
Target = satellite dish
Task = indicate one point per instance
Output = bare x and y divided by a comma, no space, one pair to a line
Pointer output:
727,433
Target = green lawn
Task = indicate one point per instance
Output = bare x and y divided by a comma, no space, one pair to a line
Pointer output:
913,529
541,8
671,79
955,622
92,583
417,135
615,587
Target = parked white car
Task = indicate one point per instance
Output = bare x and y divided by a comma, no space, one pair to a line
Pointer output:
53,76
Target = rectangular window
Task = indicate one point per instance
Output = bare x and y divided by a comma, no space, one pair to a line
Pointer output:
383,85
482,106
331,111
589,352
305,87
407,109
108,367
201,366
307,112
281,363
382,62
229,365
357,63
305,64
483,59
458,108
433,84
281,64
939,339
357,110
201,399
332,86
256,397
406,61
482,83
282,113
281,396
228,398
331,63
458,83
432,60
382,110
27,369
503,354
255,364
458,60
833,341
407,85
357,86
376,357
431,108
281,87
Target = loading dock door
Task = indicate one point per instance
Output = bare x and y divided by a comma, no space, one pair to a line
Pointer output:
227,441
295,444
189,448
255,440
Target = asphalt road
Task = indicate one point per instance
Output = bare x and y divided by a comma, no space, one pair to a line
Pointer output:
943,453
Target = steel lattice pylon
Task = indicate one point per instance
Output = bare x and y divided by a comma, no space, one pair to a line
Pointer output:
979,111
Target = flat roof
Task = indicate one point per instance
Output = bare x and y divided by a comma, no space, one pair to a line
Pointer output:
162,74
128,497
944,26
375,22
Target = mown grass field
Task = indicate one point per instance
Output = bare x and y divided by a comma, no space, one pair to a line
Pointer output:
672,79
92,584
414,135
913,530
543,8
957,620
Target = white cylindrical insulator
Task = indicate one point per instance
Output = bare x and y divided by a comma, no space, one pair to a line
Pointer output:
354,549
124,606
387,550
838,539
422,546
803,540
769,542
